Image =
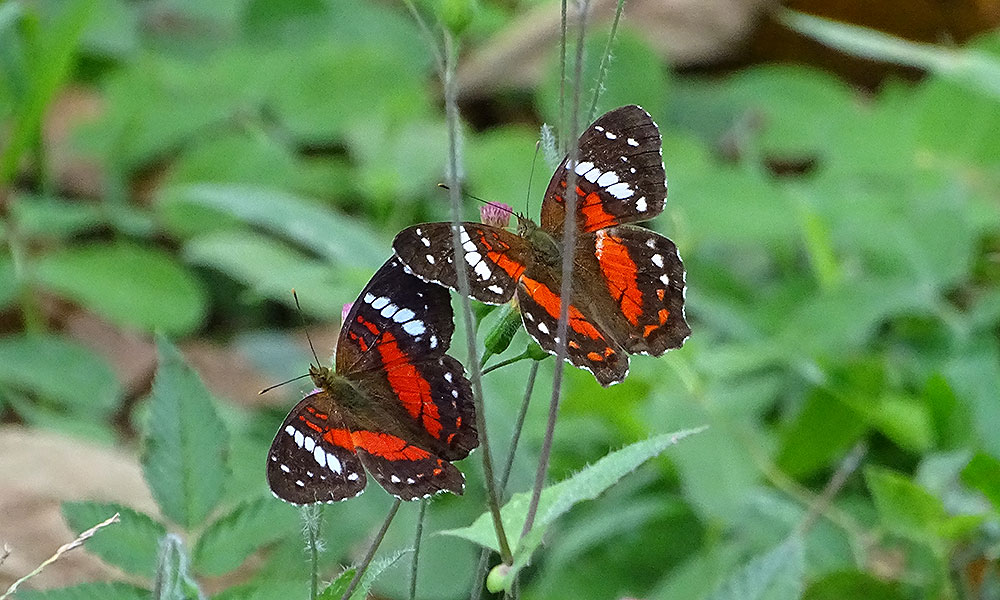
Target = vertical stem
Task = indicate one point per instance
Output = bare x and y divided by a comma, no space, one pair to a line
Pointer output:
416,549
313,518
562,77
566,289
451,112
480,572
602,71
371,551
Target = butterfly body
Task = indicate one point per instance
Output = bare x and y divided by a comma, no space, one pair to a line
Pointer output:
396,404
628,282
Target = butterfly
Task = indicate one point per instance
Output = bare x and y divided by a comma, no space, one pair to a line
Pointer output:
396,405
628,282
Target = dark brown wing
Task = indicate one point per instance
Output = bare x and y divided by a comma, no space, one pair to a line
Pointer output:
620,175
495,257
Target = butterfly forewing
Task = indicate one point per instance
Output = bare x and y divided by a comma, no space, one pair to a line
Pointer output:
495,258
312,457
620,176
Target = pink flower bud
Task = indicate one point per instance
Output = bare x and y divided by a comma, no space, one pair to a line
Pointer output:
344,311
496,214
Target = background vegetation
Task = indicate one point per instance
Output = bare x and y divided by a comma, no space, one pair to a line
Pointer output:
841,248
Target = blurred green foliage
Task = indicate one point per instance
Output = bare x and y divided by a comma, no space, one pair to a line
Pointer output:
841,252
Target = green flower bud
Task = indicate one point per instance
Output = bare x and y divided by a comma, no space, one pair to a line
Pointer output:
503,332
456,14
498,580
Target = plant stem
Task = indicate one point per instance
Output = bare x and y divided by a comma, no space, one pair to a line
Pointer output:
509,361
566,289
602,71
480,573
562,76
371,551
416,549
313,517
435,50
451,112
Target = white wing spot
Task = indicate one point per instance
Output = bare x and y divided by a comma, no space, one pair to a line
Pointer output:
285,469
543,328
664,279
403,315
320,455
389,310
426,241
419,232
310,444
610,135
379,302
369,298
624,159
658,260
310,473
529,316
592,175
353,476
290,430
454,393
299,483
415,327
333,463
620,190
598,128
583,167
495,289
299,438
464,235
483,270
469,246
430,258
640,204
631,170
395,479
434,341
607,178
473,258
651,243
410,480
632,142
447,376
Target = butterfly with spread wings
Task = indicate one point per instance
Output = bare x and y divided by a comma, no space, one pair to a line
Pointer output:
628,282
396,405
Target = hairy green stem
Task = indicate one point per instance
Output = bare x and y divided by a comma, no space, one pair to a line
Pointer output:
602,71
416,549
455,192
371,551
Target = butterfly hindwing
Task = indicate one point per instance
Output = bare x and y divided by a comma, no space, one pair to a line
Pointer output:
312,457
587,345
405,470
495,257
620,176
640,299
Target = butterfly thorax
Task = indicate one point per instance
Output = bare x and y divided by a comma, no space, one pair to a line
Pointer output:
338,386
543,245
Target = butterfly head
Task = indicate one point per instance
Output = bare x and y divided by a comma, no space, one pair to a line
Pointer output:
323,377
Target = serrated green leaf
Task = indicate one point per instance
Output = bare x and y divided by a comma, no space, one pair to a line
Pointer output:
336,589
229,540
334,236
905,508
983,474
559,498
129,284
824,429
131,544
184,458
777,575
88,591
60,371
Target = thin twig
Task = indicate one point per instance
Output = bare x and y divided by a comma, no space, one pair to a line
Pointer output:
416,549
602,71
562,76
566,289
431,42
80,539
847,466
455,192
509,361
480,572
371,551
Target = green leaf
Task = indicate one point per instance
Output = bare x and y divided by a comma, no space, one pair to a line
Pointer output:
839,585
174,580
336,589
229,540
129,284
973,69
983,474
337,237
821,433
272,269
905,421
88,591
184,458
559,498
905,508
59,371
50,66
776,575
53,217
131,544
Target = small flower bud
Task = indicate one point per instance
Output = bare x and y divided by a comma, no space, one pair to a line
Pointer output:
498,579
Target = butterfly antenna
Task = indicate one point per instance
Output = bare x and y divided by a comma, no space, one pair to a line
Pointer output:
531,176
303,320
477,198
271,387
